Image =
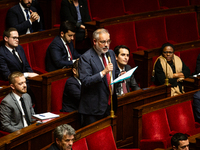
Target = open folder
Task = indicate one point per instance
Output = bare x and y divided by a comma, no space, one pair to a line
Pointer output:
125,76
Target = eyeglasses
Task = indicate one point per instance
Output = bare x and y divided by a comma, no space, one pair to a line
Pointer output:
168,52
104,42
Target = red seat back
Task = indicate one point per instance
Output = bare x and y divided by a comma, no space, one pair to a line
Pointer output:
57,89
125,35
136,6
174,3
27,53
155,125
3,12
80,145
182,27
101,140
151,33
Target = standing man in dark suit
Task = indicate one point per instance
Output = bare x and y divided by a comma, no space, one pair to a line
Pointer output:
61,53
95,72
16,108
196,106
12,56
72,91
24,18
122,53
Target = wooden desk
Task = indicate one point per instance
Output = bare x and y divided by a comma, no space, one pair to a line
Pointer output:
35,137
4,91
124,112
191,84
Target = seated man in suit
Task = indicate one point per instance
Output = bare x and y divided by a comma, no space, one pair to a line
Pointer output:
122,56
24,18
72,91
16,108
12,56
63,138
61,53
179,141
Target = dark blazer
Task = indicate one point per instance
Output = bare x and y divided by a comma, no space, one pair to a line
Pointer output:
71,95
94,89
196,106
130,82
9,64
68,12
11,113
53,147
197,65
15,18
57,56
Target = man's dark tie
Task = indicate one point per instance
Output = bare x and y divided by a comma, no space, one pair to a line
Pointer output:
16,57
107,76
25,111
28,17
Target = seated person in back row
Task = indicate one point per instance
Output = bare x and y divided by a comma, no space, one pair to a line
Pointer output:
72,91
61,53
16,108
179,141
176,69
122,56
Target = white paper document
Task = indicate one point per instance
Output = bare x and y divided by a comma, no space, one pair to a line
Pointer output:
125,76
47,115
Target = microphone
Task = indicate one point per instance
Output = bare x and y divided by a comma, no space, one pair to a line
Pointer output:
108,56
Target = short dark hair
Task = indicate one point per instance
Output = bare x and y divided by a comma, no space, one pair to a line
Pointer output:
117,48
178,137
66,25
75,66
166,44
7,32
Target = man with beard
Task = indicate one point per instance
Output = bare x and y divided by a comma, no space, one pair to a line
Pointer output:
61,53
24,18
95,72
16,108
63,138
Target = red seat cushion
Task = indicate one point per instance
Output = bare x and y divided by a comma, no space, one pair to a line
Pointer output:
101,140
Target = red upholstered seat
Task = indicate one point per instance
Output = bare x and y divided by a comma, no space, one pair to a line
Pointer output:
125,35
57,89
189,57
38,53
3,12
195,2
101,9
27,53
80,145
182,27
181,118
155,130
151,33
174,3
136,6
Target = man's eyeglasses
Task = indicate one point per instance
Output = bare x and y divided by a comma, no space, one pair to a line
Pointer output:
168,52
15,38
104,42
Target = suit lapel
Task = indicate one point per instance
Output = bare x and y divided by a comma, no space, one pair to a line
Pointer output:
16,102
21,12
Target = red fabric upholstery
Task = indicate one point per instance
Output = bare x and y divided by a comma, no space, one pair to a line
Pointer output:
155,130
80,145
125,35
102,9
174,3
189,57
38,53
57,89
136,6
57,7
182,27
181,118
195,2
151,33
101,140
3,133
27,53
2,82
3,13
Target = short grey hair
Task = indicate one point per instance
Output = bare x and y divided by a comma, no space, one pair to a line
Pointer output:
99,31
63,129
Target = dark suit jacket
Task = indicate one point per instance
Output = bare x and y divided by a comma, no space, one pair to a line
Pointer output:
15,18
11,113
197,65
68,12
9,64
196,106
71,95
57,56
94,89
130,82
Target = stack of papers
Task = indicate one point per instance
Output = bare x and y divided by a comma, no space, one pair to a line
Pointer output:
43,117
